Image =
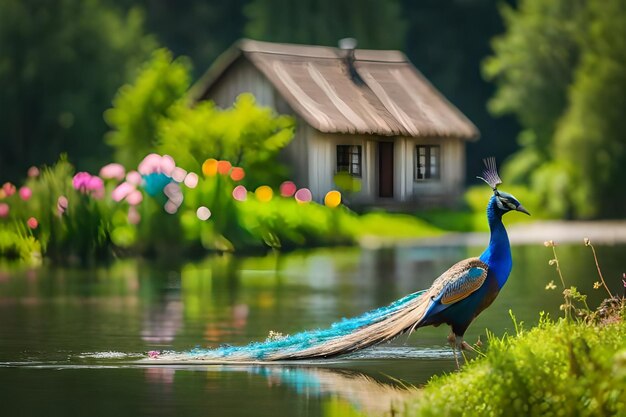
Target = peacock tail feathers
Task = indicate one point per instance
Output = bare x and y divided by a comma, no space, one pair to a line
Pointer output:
350,334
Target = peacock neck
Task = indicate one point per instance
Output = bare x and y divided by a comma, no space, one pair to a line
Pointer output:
498,253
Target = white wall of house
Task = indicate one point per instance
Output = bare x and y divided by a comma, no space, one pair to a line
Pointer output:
242,76
322,165
452,160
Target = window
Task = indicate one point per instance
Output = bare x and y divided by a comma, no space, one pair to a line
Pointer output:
349,159
427,162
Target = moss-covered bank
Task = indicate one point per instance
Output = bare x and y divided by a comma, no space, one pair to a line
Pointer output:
561,368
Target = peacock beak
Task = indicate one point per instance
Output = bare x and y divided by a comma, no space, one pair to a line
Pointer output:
522,209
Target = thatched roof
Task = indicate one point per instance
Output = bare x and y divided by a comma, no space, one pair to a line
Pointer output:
384,95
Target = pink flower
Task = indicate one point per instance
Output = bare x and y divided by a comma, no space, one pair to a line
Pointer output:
25,193
9,189
62,205
121,191
32,223
153,354
4,210
179,174
33,172
134,198
80,181
149,164
113,172
167,165
134,178
133,215
95,183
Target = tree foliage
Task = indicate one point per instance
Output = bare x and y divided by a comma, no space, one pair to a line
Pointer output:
591,140
60,63
139,107
560,69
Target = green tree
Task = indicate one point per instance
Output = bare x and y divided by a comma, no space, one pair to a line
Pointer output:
533,66
139,107
375,24
60,63
591,141
561,69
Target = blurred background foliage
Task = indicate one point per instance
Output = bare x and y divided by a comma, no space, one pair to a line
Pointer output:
543,80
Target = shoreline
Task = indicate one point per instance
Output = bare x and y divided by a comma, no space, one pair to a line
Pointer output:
607,232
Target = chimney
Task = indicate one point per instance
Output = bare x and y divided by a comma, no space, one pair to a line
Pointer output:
348,45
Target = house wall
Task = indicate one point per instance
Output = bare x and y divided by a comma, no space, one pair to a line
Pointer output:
446,189
243,77
322,167
322,158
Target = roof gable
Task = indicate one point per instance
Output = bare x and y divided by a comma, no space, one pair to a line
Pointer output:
393,99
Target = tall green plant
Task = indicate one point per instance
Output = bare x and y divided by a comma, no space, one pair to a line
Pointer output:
138,108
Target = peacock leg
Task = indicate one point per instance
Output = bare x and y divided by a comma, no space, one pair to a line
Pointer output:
454,344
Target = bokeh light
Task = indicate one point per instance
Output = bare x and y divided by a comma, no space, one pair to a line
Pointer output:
263,193
133,215
303,195
134,178
121,191
179,174
240,193
8,188
332,199
203,213
25,193
170,207
113,171
33,172
223,167
191,180
167,165
209,167
32,223
237,174
134,198
287,189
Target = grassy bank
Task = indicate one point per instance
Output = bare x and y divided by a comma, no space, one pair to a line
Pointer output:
562,368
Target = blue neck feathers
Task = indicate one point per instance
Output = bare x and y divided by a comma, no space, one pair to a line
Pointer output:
498,254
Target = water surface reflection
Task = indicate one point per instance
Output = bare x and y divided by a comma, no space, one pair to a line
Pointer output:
59,326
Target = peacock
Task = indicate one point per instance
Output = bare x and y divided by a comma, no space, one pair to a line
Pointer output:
455,298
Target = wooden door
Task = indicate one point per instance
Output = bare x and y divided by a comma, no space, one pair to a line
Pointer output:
385,169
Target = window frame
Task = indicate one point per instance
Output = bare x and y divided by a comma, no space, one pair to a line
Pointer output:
427,170
344,160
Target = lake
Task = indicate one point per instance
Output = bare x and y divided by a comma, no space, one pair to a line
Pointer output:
71,339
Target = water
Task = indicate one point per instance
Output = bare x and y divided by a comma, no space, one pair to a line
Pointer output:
72,341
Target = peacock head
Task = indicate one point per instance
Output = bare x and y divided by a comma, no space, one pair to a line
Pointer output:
501,201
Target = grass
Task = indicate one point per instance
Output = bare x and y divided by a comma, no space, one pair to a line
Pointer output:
562,368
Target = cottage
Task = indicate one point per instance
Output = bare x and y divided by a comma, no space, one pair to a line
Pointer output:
369,114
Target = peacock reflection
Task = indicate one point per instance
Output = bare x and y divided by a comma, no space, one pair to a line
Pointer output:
359,392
